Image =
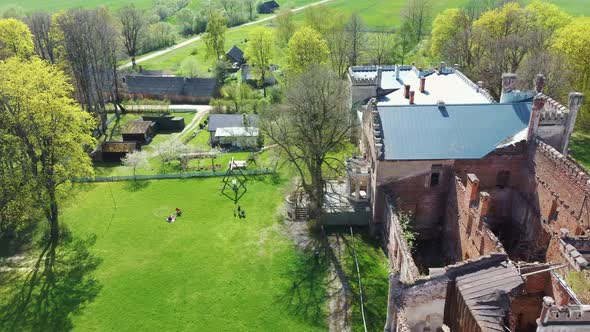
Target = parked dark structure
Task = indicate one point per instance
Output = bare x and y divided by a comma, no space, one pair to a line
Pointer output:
235,56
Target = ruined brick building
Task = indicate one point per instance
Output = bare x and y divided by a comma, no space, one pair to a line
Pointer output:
500,210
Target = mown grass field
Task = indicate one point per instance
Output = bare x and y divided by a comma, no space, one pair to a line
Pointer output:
207,271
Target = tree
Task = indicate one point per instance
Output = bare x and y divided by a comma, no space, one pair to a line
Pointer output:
356,37
382,48
159,35
215,34
189,67
259,54
15,39
404,41
89,39
43,36
133,24
134,160
416,15
306,47
251,8
573,42
338,43
48,125
313,124
284,27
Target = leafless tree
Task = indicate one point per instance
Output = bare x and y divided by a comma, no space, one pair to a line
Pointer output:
45,42
417,15
339,45
314,122
90,45
356,37
133,24
382,48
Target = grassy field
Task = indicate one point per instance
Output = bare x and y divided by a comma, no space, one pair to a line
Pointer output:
208,271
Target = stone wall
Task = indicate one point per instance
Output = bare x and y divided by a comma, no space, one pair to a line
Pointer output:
398,251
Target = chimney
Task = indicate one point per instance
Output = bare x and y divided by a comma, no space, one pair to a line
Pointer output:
538,103
575,102
471,189
411,97
422,84
406,91
539,83
508,80
379,75
442,67
396,72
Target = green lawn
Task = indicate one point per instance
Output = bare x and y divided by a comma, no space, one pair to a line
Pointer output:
208,271
580,149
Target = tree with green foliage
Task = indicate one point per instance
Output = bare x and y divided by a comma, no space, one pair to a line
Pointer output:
189,67
259,54
573,42
382,49
215,34
416,15
284,27
15,39
41,118
314,123
306,47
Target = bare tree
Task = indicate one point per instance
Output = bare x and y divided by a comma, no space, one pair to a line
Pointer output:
339,45
356,37
417,15
133,24
314,122
89,42
382,48
45,43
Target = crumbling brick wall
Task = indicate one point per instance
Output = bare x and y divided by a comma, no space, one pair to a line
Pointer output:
468,235
398,251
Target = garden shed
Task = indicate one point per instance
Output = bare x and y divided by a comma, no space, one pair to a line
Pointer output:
166,123
115,151
138,131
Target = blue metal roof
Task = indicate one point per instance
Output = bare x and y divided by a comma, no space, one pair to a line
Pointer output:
430,132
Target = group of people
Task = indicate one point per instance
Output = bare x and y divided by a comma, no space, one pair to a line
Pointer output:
241,213
172,217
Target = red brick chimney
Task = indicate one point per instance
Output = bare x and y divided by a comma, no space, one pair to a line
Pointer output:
412,97
406,91
422,84
538,104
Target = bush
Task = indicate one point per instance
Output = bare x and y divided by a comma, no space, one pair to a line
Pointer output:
189,67
159,35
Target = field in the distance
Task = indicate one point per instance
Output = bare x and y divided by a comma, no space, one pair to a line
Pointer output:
376,12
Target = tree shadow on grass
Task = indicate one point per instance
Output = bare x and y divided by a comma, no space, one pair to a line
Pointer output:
307,295
134,185
58,285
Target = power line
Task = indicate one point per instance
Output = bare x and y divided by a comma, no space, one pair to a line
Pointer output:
358,272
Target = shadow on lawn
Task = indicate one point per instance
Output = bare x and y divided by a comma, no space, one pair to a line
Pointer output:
308,294
59,284
134,186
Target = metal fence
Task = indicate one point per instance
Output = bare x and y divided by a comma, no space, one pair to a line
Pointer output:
167,176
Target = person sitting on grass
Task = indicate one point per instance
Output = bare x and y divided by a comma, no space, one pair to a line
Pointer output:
172,218
178,212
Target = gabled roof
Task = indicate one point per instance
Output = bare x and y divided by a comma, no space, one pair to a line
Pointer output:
171,86
137,127
487,293
235,54
269,6
431,132
232,120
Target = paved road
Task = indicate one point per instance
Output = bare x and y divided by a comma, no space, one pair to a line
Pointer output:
196,38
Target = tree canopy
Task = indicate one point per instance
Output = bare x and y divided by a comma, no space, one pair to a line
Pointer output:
306,47
15,39
259,53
